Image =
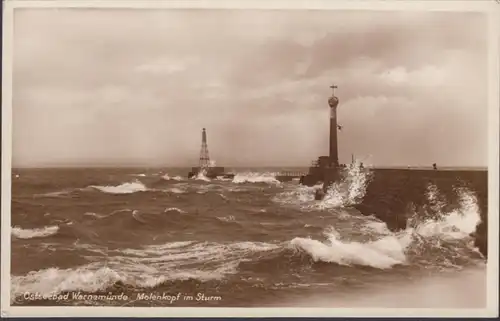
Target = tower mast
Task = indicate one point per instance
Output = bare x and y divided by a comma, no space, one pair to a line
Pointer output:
204,158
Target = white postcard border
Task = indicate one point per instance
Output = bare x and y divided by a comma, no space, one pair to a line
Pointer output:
492,8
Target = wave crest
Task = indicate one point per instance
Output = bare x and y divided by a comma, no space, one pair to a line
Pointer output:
255,177
437,235
383,253
21,233
175,178
125,188
147,267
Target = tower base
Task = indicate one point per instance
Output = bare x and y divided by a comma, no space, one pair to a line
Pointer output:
327,176
322,172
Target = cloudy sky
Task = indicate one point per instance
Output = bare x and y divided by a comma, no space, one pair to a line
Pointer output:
135,87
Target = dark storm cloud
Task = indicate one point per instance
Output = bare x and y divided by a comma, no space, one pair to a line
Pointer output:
136,86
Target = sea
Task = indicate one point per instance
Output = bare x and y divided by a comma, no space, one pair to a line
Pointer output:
152,237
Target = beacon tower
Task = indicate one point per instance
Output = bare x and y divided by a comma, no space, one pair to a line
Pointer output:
326,169
204,157
333,102
204,166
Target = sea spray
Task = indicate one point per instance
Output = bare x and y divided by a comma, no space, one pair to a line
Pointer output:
348,191
458,223
202,176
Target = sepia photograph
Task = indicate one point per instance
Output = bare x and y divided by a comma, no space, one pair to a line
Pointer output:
204,157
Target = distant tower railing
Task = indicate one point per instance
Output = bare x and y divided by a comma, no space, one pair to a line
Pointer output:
204,157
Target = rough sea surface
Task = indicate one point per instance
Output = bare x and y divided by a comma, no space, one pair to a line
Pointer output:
151,237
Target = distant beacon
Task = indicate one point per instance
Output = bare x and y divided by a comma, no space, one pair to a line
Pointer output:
206,166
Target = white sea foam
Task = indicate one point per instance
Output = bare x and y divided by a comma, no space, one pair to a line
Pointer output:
298,196
256,177
224,179
21,233
125,188
175,178
224,197
382,254
170,245
201,176
173,209
137,215
53,194
145,267
376,226
229,218
456,224
53,280
392,248
92,214
176,190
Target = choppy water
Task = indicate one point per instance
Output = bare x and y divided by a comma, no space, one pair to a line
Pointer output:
118,234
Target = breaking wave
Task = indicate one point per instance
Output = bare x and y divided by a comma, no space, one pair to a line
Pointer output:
153,265
125,188
348,191
393,248
174,209
437,236
382,253
175,178
148,267
252,177
455,224
201,176
21,233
